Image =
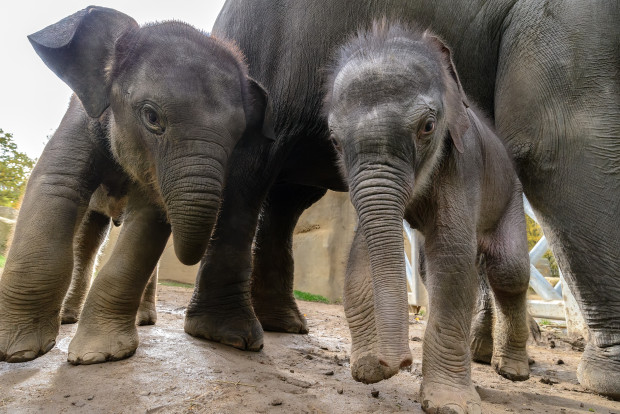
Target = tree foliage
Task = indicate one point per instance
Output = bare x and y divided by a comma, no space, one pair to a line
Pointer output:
15,167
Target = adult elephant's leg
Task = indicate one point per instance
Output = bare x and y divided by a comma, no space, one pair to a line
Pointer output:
272,267
91,233
451,282
507,268
107,328
147,312
220,308
39,263
561,120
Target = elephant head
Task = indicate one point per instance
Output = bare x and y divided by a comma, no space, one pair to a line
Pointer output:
172,101
395,108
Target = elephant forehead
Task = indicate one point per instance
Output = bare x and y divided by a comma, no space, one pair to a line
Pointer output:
369,80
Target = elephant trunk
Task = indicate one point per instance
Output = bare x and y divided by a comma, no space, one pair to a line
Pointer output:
192,197
379,194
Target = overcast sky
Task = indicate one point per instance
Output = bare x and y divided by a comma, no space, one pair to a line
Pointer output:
32,99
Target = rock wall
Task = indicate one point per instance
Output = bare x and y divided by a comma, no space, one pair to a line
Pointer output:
321,244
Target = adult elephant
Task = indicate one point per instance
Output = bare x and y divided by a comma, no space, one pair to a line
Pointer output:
547,74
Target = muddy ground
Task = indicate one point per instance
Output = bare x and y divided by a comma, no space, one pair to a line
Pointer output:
174,373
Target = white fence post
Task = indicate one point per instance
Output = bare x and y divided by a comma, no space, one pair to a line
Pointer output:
417,297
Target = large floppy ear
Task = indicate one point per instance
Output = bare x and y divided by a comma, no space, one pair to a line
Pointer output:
455,100
79,47
258,111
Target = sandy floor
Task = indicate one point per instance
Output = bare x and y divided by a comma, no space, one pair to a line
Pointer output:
174,373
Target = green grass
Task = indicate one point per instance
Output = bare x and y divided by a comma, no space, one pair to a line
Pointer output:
175,284
309,297
544,322
2,260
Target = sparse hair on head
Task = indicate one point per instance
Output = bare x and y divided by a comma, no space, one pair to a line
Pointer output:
382,38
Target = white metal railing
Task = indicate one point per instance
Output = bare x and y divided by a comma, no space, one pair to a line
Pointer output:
551,307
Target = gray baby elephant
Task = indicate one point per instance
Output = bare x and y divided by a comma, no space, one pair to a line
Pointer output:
156,114
412,147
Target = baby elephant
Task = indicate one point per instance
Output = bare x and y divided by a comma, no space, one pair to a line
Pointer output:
412,147
156,114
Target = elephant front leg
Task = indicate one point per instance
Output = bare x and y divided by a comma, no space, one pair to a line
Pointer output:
39,263
91,233
451,283
147,313
272,272
107,329
36,275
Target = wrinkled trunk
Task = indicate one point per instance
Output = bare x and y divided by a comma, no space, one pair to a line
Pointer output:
379,195
191,194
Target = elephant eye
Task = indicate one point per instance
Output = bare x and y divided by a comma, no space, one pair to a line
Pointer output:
429,127
152,119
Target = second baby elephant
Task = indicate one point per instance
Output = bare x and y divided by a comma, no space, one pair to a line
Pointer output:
156,114
412,147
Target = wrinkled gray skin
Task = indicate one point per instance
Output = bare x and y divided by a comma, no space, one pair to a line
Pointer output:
411,148
103,208
544,71
157,114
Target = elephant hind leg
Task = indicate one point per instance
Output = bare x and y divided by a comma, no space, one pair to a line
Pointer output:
507,268
91,233
272,273
481,339
147,312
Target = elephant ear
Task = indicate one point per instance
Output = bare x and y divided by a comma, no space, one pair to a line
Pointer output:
78,49
258,110
455,100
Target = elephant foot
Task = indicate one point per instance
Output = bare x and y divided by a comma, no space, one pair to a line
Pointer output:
239,328
482,337
147,314
514,367
438,398
278,315
368,368
95,343
69,316
599,370
28,336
